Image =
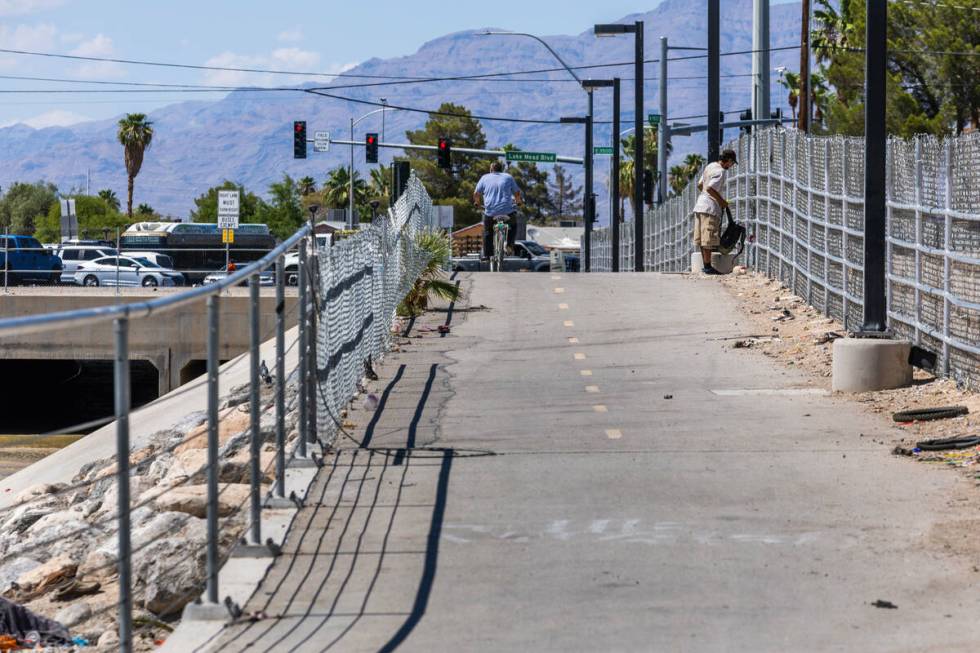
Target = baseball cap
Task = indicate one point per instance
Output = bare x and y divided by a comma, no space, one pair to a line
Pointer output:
729,155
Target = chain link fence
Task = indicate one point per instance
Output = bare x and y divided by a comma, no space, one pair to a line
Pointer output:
802,200
361,281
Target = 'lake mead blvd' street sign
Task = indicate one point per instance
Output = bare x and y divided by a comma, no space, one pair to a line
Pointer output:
533,157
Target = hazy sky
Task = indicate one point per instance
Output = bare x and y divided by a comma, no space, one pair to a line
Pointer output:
300,35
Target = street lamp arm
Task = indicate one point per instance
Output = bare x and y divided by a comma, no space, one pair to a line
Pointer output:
542,42
371,113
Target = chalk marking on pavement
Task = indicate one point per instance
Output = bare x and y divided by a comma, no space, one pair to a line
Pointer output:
563,307
569,323
592,388
573,341
559,291
771,392
579,356
599,526
614,434
586,372
599,408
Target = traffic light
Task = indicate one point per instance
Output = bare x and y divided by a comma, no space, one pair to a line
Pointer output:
745,115
445,153
371,148
299,139
721,126
648,187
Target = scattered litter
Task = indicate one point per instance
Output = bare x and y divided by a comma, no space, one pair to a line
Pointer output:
929,414
371,403
443,328
945,444
888,605
668,396
829,336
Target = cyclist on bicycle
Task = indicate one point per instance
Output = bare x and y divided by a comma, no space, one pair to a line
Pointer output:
500,196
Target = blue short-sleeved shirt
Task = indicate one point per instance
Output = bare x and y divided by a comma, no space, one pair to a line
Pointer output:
497,190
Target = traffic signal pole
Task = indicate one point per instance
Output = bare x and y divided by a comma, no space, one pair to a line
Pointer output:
662,135
614,214
714,70
589,203
875,300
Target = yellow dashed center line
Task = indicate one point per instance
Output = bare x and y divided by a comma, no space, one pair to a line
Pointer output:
556,278
614,434
586,372
569,323
579,356
592,388
563,307
599,408
573,341
559,291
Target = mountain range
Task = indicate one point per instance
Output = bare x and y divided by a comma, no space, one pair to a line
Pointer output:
246,135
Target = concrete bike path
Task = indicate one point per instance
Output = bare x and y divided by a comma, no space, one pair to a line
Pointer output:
743,513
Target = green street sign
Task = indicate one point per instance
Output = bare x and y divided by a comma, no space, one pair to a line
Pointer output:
602,151
533,157
654,119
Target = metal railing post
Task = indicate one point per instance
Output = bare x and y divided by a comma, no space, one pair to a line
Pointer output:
312,288
122,401
280,378
255,529
302,336
212,480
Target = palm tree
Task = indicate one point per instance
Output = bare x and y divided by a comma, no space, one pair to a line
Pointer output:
380,184
791,81
145,209
109,197
307,186
336,188
678,178
135,134
693,163
432,280
833,29
627,169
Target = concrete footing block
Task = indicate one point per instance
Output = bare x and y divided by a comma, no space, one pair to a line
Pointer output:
869,364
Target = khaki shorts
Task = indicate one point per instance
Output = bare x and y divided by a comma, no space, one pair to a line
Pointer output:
707,230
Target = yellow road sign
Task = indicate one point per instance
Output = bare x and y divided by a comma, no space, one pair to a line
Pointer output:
228,236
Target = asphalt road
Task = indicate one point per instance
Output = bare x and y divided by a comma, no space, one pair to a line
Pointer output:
596,469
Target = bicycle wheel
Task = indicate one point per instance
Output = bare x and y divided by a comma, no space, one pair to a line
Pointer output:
499,240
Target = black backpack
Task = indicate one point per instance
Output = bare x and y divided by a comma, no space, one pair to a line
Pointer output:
733,236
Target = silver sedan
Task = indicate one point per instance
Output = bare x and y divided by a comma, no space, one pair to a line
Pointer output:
130,271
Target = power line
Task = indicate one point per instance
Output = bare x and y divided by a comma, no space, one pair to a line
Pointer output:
935,5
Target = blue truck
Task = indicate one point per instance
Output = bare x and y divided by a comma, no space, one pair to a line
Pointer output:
24,260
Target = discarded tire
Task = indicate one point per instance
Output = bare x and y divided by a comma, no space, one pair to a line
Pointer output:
944,444
929,414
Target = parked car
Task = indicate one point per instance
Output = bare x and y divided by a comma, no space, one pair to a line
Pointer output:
291,260
130,271
163,260
266,277
73,254
24,259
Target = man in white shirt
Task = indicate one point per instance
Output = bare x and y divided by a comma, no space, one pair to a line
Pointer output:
710,204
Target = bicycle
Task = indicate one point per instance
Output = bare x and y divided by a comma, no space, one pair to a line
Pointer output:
500,229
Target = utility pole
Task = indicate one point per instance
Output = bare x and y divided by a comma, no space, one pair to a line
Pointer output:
662,131
804,120
638,162
614,215
714,71
875,148
760,60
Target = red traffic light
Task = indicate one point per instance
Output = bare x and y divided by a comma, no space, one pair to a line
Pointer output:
442,145
370,139
299,126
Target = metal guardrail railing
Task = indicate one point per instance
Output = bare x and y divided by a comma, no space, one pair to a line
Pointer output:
346,307
801,198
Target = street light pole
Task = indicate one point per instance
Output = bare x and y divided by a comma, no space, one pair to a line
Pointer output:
714,67
614,215
662,136
589,199
350,174
638,166
875,150
638,163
